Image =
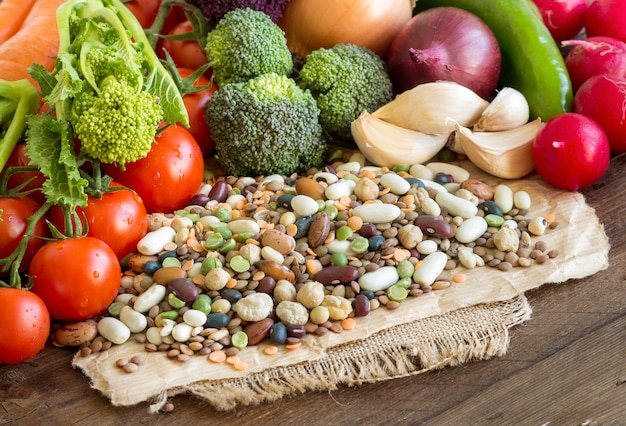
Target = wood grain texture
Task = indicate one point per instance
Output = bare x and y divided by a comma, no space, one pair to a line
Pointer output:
564,366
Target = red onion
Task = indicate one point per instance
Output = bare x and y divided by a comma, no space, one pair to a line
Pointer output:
593,56
445,43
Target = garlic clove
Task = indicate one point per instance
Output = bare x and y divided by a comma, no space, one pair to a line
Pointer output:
385,144
433,108
508,110
506,154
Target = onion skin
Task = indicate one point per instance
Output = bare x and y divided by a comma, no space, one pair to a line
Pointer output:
313,24
445,43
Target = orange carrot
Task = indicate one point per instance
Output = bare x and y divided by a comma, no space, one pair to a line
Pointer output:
37,41
12,15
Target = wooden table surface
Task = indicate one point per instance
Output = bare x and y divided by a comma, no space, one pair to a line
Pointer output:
566,366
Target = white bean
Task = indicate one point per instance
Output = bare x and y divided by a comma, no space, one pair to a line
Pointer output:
113,330
458,173
149,298
432,266
471,229
503,197
380,279
153,242
456,206
135,321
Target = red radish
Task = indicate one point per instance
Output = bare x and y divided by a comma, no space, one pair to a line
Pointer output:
593,56
445,43
571,151
564,18
603,99
606,18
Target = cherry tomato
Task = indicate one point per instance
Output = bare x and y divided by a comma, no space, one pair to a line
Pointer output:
19,157
146,10
118,218
603,99
563,18
571,151
24,325
196,109
14,212
169,175
76,278
184,53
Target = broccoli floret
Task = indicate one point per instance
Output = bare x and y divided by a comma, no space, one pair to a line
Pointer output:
119,124
216,9
266,125
246,44
345,80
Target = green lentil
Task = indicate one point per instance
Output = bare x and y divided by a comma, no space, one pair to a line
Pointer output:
338,259
239,340
494,220
171,261
343,233
239,264
202,303
359,245
214,241
174,301
405,269
210,263
397,293
223,214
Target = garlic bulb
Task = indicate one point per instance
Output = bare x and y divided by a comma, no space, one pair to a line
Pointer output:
385,144
506,154
434,108
508,110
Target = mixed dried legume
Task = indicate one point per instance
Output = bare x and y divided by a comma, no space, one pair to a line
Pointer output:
276,258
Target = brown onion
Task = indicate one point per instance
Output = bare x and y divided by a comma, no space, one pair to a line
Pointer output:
445,43
311,24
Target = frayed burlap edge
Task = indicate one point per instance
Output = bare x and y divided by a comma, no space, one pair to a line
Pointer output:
475,333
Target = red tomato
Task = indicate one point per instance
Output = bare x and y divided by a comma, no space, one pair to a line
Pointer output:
564,18
146,10
20,158
571,151
169,175
603,99
14,212
24,325
76,278
196,109
185,53
606,18
118,218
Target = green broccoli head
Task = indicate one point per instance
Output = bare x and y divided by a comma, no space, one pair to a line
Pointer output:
244,44
266,125
345,80
118,125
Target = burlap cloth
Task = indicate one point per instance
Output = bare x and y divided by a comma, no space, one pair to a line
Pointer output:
468,321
